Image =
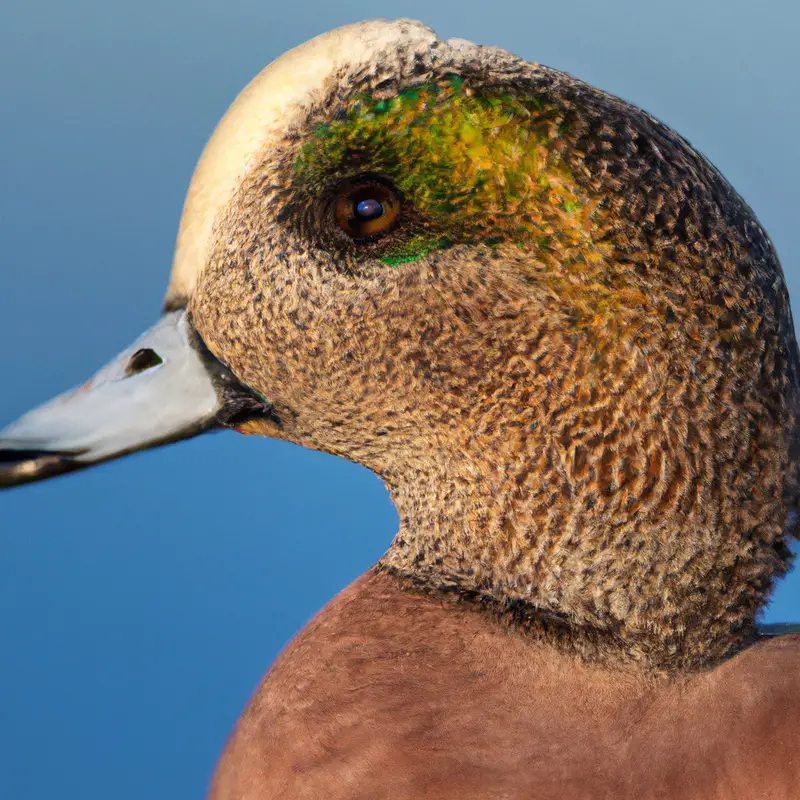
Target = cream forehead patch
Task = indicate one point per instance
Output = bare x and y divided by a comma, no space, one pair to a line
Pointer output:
262,112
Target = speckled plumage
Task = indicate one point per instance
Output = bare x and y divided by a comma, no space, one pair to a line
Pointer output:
602,441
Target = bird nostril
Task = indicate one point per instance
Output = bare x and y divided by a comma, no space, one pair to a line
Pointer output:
142,360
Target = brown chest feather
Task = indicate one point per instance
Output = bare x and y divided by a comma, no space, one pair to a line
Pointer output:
391,695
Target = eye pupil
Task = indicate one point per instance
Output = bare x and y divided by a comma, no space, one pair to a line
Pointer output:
366,209
369,209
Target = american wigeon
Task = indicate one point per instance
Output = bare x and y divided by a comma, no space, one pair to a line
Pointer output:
565,344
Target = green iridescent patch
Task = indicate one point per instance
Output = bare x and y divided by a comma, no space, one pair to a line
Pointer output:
485,167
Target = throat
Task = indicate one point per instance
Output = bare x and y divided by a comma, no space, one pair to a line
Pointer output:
571,578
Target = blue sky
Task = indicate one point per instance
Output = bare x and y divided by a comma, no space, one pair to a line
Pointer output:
142,601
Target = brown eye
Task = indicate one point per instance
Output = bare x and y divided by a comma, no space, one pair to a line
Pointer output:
367,210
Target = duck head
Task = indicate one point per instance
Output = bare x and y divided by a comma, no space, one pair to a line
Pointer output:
552,328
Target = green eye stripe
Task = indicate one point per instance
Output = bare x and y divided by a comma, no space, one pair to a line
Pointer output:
481,167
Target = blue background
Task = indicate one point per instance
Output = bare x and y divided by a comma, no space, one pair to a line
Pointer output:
141,602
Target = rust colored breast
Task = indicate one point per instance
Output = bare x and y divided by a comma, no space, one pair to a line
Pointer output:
395,696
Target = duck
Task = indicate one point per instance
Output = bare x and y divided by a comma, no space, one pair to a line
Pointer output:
564,343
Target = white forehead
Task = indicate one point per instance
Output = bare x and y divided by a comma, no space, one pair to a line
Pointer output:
261,113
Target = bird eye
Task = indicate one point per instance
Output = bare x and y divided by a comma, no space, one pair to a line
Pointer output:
367,210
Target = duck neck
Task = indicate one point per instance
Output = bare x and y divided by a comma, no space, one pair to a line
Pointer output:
636,587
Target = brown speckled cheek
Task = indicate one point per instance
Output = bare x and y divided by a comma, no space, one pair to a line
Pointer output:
363,361
304,334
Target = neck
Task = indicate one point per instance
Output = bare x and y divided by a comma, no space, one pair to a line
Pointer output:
590,577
